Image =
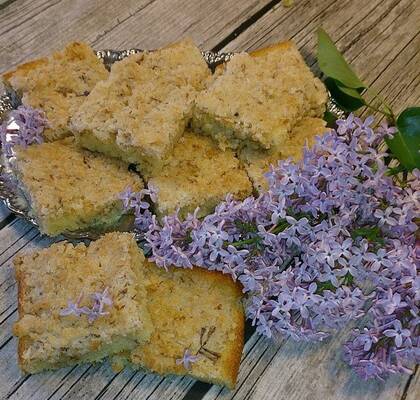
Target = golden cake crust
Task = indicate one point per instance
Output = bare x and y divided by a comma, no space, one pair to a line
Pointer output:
197,174
72,189
22,70
48,278
258,98
58,84
185,305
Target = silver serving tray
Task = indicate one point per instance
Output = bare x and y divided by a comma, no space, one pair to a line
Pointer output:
13,197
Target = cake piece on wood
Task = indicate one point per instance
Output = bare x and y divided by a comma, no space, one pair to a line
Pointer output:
80,303
198,322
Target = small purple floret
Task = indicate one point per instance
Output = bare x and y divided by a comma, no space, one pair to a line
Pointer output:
187,359
24,127
134,201
100,300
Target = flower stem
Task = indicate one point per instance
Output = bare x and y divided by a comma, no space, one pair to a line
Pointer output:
239,243
386,113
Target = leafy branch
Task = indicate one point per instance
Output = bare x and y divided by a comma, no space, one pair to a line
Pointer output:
351,93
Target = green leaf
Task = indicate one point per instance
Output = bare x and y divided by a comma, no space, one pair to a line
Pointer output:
321,286
246,227
405,145
373,234
348,99
330,118
333,64
348,279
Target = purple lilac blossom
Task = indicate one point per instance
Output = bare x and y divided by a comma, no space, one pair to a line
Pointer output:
303,249
73,308
187,359
134,201
100,300
23,127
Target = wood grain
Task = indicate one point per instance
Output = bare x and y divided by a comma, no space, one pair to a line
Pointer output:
4,213
412,390
29,29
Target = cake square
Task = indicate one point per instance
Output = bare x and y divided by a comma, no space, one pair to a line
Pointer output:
197,174
194,334
71,189
58,84
258,98
257,161
80,303
141,110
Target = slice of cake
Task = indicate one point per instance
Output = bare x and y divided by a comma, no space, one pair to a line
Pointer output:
142,109
79,304
259,98
197,174
58,84
198,321
71,189
257,161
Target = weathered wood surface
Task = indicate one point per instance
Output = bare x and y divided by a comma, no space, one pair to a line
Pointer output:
30,29
380,38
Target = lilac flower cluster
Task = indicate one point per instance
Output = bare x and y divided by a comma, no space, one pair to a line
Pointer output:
390,341
24,127
100,300
135,201
302,249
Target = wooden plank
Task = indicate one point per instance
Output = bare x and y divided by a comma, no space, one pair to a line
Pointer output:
306,371
131,384
412,391
288,23
258,354
46,384
31,28
11,234
4,213
321,374
10,373
4,3
402,92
